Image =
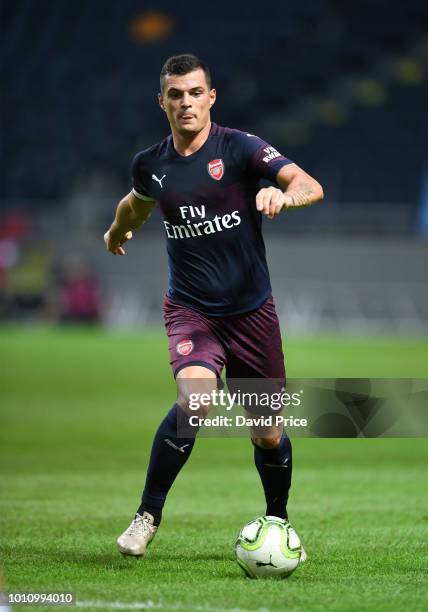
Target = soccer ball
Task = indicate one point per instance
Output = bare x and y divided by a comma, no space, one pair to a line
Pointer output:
268,547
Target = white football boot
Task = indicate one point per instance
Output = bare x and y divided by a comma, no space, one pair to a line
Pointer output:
303,556
137,537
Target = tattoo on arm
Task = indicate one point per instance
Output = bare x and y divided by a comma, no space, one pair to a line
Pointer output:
302,195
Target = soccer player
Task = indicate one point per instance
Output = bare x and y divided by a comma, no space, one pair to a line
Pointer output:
219,311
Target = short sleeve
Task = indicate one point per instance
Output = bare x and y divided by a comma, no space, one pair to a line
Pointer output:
139,179
256,155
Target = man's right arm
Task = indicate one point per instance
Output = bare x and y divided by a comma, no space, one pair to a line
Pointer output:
130,214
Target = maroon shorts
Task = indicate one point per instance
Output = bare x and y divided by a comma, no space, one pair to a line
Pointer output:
248,345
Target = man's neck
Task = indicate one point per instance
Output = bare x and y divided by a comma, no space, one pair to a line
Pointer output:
186,144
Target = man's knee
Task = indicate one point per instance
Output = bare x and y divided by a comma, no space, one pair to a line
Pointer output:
195,386
268,442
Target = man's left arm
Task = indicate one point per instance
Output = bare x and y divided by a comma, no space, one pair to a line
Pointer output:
298,190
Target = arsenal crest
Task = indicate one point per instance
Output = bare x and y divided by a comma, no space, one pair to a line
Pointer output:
216,169
185,347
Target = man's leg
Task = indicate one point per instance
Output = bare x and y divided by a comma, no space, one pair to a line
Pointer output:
197,358
256,353
273,459
170,450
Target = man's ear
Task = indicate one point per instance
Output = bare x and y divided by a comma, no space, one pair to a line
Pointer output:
160,100
213,97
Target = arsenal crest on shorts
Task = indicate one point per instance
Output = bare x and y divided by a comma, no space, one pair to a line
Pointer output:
184,347
216,169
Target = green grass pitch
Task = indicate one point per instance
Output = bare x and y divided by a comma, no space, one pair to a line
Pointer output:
78,411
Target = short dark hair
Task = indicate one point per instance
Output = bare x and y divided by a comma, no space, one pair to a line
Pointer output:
183,64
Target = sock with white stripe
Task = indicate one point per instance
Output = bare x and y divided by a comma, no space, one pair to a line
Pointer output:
169,454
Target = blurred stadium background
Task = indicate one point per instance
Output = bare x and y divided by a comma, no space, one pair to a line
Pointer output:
341,88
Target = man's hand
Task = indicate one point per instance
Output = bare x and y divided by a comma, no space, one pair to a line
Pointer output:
300,190
271,201
131,212
114,243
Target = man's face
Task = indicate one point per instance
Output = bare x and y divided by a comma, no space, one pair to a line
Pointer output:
187,100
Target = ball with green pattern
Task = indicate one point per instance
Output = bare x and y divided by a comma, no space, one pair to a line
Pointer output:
268,547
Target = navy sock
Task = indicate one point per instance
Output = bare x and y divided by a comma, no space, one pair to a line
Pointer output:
275,466
168,456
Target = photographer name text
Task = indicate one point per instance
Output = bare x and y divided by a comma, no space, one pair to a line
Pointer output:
242,421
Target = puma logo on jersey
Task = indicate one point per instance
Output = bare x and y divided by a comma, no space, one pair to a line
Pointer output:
271,154
158,180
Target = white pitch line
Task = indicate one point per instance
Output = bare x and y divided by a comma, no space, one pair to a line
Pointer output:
150,605
118,605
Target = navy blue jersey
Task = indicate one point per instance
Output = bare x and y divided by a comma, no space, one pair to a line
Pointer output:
216,253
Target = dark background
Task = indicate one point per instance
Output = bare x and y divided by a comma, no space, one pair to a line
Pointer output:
338,87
